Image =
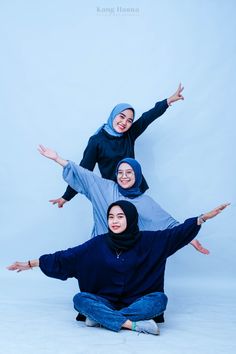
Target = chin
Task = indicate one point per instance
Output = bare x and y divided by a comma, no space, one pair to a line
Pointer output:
125,186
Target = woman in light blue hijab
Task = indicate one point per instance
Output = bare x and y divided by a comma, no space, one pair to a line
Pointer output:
118,109
115,140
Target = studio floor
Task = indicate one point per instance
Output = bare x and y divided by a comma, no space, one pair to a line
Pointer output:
37,316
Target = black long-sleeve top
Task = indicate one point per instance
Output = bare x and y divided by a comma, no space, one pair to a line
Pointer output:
107,150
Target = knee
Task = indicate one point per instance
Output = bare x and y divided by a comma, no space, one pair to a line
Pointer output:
160,301
78,300
163,301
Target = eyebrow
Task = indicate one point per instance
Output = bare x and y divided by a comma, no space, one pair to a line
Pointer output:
128,169
116,214
124,115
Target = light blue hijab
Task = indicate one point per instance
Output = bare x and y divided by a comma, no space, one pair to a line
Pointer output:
108,127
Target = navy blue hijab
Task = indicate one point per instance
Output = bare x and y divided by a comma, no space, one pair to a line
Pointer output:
135,190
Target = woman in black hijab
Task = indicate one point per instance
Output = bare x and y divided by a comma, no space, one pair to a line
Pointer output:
121,273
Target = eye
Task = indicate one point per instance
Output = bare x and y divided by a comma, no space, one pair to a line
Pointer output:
130,121
129,173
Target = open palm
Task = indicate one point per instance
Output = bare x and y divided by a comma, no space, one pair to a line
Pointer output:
49,153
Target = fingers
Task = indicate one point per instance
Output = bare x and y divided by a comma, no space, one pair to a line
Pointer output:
197,245
203,250
42,147
222,207
57,201
54,201
15,266
180,88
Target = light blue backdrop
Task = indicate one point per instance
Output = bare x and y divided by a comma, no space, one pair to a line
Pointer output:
65,64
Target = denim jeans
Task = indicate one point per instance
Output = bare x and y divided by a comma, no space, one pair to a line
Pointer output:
104,312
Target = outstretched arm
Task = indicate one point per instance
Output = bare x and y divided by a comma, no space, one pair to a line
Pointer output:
52,155
180,235
59,265
150,116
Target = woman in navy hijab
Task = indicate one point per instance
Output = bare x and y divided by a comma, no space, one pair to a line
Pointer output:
102,192
121,273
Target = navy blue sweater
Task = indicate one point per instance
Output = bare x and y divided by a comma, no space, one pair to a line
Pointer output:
107,150
137,272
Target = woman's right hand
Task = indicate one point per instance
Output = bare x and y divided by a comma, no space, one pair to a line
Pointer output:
49,153
52,155
60,202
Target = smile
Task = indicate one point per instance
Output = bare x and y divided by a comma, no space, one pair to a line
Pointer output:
115,227
121,126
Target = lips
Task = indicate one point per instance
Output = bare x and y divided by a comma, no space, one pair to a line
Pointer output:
122,127
125,181
115,227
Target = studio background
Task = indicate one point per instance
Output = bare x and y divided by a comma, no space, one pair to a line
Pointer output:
65,64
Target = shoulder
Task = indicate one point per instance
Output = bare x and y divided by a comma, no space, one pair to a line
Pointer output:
94,242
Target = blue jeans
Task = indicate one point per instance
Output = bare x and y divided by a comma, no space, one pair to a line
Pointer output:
104,312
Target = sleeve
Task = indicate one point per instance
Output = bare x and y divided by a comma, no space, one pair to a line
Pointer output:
90,156
85,181
69,193
88,161
62,264
147,118
165,220
178,237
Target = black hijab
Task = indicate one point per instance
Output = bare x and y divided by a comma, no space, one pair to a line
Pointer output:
126,239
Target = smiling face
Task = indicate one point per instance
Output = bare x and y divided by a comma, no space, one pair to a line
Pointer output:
125,176
117,222
123,121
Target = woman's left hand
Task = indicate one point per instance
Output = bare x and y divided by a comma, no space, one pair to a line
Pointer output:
214,212
176,96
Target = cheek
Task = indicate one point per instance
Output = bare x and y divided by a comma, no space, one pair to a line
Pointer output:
115,121
132,181
124,224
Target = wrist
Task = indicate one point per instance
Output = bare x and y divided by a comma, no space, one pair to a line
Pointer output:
201,219
33,263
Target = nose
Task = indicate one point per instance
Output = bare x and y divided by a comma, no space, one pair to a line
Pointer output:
123,174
